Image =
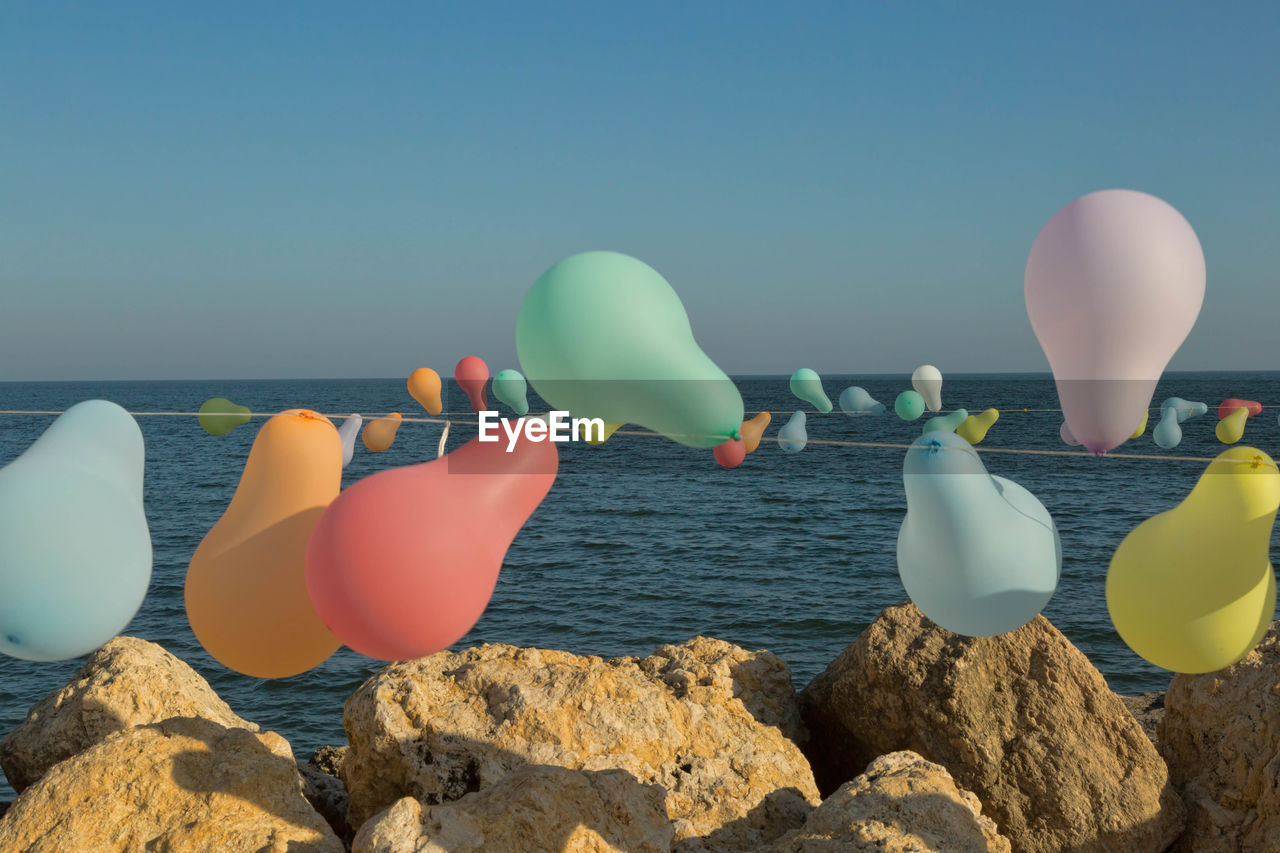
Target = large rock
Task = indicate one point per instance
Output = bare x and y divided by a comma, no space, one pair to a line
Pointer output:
1148,710
901,804
1023,720
535,809
713,724
186,785
128,682
1221,737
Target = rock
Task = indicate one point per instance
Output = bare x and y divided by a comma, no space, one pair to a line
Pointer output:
1221,737
326,793
1023,720
901,804
328,759
534,809
1148,710
187,784
714,724
128,682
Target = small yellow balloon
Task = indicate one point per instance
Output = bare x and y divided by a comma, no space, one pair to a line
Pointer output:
1142,427
975,427
1231,428
379,433
424,386
588,433
1192,590
753,430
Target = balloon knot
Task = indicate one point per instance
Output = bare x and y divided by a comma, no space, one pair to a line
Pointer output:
1257,461
934,445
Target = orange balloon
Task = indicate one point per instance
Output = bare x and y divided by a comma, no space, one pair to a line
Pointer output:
424,385
753,429
379,433
246,590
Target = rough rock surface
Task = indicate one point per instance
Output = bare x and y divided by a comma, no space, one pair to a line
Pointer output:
901,804
128,682
535,809
1148,710
714,724
323,788
1023,720
1221,737
186,785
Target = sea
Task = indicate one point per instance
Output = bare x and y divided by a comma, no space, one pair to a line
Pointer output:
642,541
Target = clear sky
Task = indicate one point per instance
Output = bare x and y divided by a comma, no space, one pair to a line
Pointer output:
221,190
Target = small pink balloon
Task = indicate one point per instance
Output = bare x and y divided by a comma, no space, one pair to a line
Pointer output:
731,453
1113,284
471,374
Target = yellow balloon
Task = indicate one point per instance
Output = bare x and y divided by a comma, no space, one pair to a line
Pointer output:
1192,590
753,430
379,433
1231,428
584,431
1142,427
975,427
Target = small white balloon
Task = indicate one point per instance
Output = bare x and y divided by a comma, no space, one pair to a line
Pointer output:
927,382
347,432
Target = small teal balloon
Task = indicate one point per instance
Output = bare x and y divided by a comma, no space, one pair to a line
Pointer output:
510,388
946,423
807,385
1184,408
978,554
909,405
793,436
1168,434
856,401
75,551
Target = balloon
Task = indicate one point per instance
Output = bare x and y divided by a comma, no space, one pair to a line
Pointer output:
978,554
1167,433
949,422
403,563
1142,427
1229,405
731,453
379,433
593,436
1192,589
246,591
1065,432
807,385
753,430
927,381
601,334
909,405
347,432
471,374
1231,428
974,429
1184,409
793,437
1114,282
219,416
75,552
510,388
856,401
424,386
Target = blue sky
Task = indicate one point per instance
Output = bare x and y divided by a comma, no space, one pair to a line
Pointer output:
346,190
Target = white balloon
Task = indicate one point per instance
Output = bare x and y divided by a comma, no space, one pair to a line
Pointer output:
927,380
347,432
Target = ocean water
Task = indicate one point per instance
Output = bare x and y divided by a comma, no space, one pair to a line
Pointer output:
642,541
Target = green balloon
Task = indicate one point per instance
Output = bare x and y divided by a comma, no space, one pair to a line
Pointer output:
909,405
603,335
947,423
510,388
807,385
220,416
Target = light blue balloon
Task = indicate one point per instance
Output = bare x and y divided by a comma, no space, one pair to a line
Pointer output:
909,405
510,388
75,552
793,437
978,554
856,401
945,423
807,385
1184,408
1167,433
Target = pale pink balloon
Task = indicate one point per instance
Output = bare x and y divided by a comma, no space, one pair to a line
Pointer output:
1114,283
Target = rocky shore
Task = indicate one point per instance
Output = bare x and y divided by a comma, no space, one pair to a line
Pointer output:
913,739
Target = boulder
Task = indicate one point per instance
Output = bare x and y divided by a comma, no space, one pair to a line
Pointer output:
128,682
901,804
534,809
1221,737
1147,709
1023,720
187,784
323,788
715,725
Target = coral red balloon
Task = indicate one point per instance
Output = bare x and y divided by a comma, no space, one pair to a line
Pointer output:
731,453
471,374
403,563
1231,404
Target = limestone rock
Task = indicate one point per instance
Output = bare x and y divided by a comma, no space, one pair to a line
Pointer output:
1148,710
128,682
1221,737
1023,720
712,723
901,804
324,790
535,809
186,784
